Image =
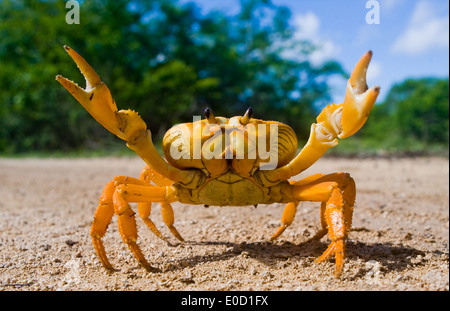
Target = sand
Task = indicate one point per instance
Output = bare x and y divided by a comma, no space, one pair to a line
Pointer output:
399,239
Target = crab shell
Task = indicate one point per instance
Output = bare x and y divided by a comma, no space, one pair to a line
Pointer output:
228,151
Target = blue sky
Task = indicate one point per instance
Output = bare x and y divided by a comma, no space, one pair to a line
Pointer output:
410,41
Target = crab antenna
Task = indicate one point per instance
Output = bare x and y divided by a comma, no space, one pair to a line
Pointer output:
247,116
209,116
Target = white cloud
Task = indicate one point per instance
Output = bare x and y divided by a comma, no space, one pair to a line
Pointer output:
308,28
426,31
374,71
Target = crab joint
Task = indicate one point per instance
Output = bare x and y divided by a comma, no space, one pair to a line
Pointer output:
131,126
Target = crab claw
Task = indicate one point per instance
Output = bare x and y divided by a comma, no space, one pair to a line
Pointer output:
359,99
96,97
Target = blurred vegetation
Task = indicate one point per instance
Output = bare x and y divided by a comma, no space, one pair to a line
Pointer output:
169,62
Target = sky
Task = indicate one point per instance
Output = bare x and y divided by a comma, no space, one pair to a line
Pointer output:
409,38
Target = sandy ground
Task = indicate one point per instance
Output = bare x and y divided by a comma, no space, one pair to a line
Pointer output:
399,241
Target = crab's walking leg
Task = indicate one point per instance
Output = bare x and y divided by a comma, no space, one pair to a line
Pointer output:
148,174
323,222
286,219
337,192
169,219
145,208
115,199
136,193
102,218
291,208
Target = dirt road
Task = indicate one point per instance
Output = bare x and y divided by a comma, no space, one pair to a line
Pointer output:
399,241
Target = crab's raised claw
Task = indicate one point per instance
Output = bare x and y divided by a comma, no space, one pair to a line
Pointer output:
96,97
359,99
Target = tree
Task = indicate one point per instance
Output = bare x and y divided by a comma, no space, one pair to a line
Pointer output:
158,57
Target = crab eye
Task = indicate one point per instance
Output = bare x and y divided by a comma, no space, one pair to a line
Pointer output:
209,116
207,113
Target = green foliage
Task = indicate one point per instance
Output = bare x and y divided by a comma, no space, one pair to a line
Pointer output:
160,58
169,62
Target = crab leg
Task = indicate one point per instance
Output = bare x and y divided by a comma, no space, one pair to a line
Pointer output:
323,222
129,234
291,208
150,175
168,218
104,214
127,193
102,218
337,193
286,219
145,208
126,124
115,199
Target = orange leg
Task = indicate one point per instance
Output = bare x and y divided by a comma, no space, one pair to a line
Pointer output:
291,208
114,200
337,193
149,175
168,218
102,218
286,219
144,210
321,233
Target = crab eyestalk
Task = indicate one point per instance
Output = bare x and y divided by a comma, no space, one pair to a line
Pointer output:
359,99
247,116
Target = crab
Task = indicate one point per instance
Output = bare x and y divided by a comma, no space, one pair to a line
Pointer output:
200,169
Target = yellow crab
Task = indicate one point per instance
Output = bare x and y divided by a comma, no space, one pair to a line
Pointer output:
224,162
